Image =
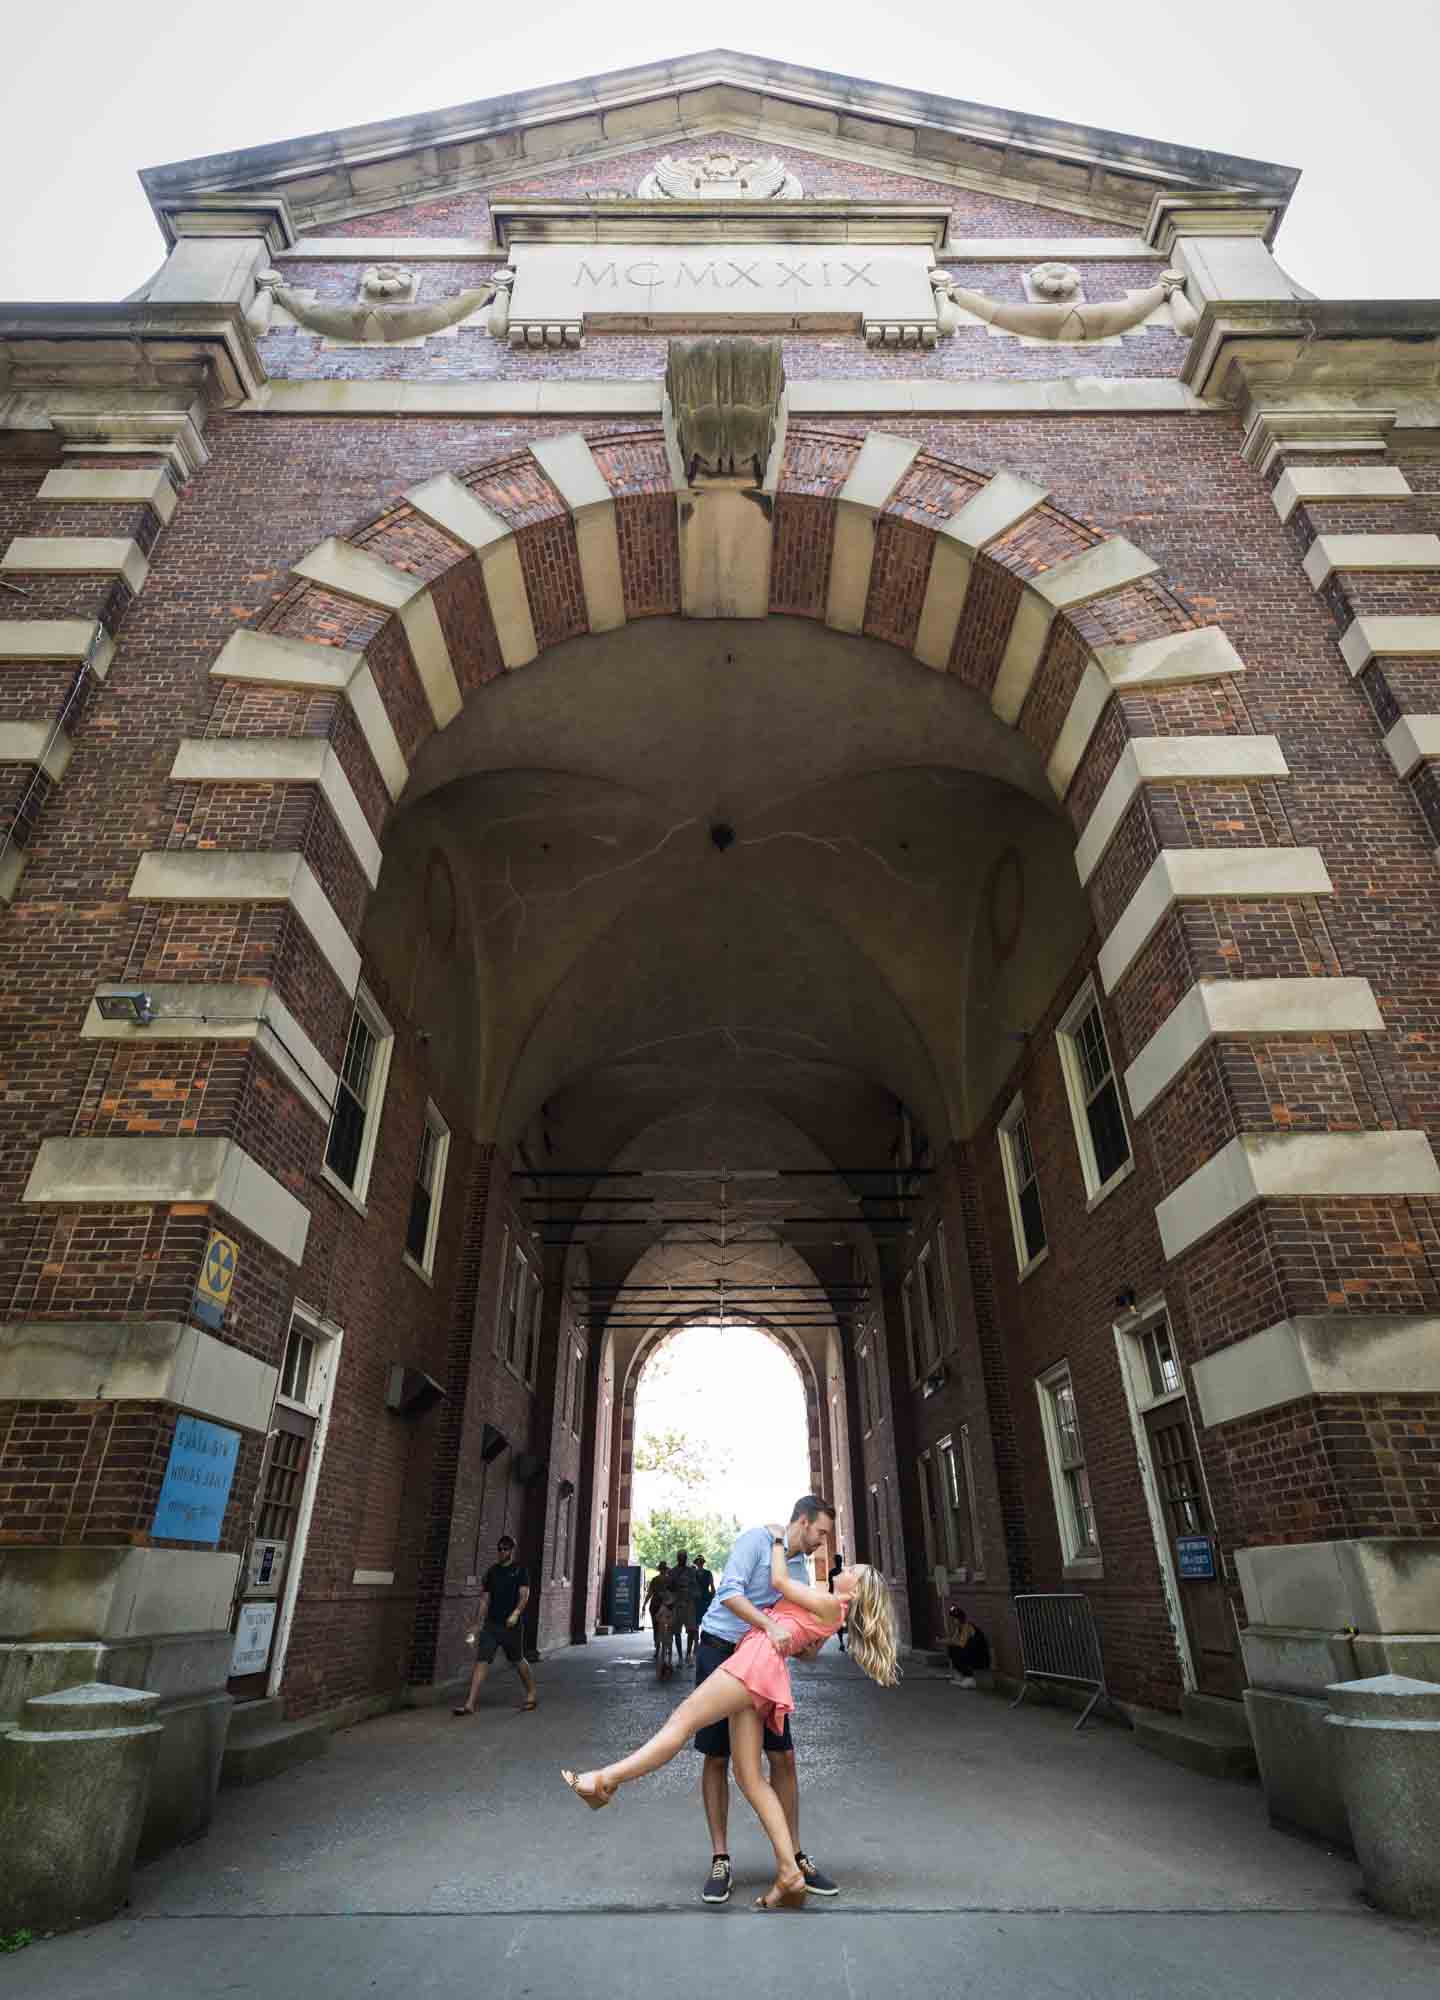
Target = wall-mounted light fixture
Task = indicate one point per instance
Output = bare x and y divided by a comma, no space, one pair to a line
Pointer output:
126,1003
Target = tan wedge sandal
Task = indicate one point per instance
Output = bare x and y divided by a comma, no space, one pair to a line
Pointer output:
600,1796
780,1897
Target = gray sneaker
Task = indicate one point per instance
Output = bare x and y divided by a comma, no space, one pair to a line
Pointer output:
818,1883
717,1882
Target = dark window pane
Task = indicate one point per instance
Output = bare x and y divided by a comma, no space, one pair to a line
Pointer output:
347,1129
1032,1222
1107,1132
418,1227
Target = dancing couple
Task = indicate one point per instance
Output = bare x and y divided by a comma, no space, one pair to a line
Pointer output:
743,1699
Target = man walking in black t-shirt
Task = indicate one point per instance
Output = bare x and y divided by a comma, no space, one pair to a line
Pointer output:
504,1594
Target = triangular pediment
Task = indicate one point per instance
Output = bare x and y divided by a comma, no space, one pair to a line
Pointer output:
931,145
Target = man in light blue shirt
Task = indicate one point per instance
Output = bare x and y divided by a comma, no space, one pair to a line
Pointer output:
742,1597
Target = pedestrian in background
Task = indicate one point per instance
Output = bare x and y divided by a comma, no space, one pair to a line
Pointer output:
837,1563
504,1593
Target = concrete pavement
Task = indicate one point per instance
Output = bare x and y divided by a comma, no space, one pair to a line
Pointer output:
978,1850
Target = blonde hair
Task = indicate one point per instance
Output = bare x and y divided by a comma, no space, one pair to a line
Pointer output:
874,1641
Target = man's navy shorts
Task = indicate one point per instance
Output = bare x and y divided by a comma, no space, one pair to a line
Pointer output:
506,1639
714,1739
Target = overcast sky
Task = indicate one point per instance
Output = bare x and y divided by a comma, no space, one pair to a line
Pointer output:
90,92
737,1392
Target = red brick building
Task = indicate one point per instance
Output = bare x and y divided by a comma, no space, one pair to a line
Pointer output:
514,839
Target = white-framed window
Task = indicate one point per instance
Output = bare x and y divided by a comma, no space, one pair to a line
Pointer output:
359,1095
1069,1475
972,1506
872,1364
1022,1188
534,1303
1094,1092
935,1326
862,1376
1162,1364
502,1299
878,1529
514,1315
298,1368
959,1516
564,1526
910,1314
575,1390
427,1191
930,1514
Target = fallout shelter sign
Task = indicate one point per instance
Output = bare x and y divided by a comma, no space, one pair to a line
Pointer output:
197,1482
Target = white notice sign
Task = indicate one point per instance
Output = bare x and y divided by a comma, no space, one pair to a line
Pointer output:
252,1637
764,286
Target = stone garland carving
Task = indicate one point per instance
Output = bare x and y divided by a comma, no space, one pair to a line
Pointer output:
725,403
385,311
720,177
1059,314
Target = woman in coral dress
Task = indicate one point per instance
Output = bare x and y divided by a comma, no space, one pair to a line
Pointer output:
752,1689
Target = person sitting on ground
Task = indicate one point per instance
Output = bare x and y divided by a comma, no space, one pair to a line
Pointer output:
968,1648
503,1596
751,1689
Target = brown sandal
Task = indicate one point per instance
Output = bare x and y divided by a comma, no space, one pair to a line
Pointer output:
529,1706
779,1897
601,1796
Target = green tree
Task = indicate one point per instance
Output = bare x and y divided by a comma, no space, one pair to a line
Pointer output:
663,1533
680,1459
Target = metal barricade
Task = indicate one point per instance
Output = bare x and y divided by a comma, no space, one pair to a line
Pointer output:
1058,1642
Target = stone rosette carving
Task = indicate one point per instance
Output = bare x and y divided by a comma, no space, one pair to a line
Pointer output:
724,398
385,311
1066,317
720,176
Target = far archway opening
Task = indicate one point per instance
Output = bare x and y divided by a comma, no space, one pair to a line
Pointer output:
721,1442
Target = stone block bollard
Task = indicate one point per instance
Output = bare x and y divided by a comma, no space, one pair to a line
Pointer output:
75,1773
1388,1731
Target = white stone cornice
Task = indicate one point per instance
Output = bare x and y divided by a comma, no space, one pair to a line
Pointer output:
1177,760
30,641
99,486
990,513
273,760
1197,874
1388,554
454,509
270,660
1306,485
1389,637
1247,1007
233,1012
38,743
215,875
569,464
139,1168
1096,572
354,573
859,396
77,555
140,1361
1320,1354
1260,1166
882,464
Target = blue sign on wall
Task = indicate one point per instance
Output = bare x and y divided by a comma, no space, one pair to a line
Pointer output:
197,1482
1195,1555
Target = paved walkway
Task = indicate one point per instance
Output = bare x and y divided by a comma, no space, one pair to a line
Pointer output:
980,1851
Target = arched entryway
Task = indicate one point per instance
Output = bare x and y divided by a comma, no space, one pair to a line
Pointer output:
673,895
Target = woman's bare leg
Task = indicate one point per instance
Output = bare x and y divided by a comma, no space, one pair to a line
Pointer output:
746,1736
716,1698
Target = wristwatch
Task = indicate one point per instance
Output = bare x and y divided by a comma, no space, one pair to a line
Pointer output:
779,1541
